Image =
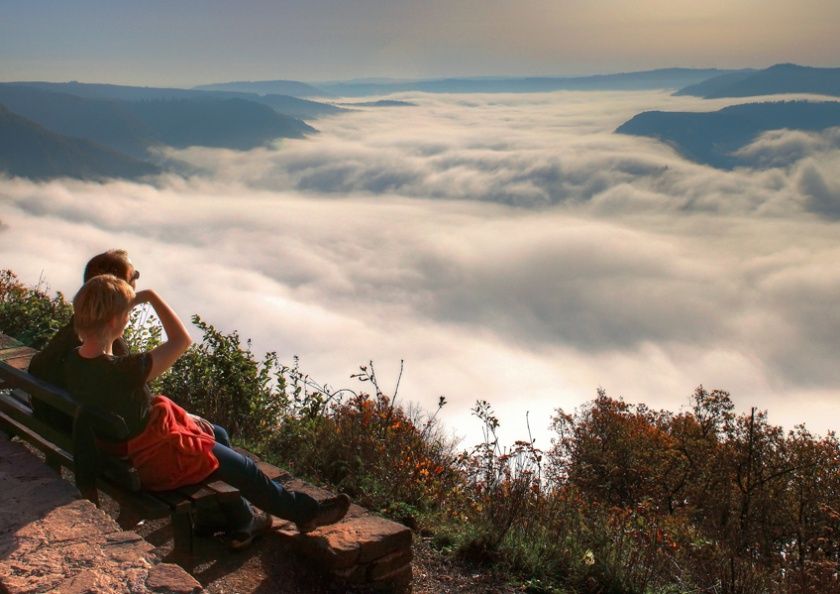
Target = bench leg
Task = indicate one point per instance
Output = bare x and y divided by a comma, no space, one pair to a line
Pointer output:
128,517
182,533
53,461
6,431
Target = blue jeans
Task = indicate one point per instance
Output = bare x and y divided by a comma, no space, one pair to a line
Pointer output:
240,471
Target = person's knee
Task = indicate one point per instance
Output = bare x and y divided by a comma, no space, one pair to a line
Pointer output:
221,435
232,463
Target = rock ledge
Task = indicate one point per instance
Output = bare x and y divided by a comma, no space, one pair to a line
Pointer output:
53,541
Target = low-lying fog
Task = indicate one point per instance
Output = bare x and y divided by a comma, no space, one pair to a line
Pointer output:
508,247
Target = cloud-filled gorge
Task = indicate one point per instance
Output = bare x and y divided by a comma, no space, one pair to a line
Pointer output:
511,248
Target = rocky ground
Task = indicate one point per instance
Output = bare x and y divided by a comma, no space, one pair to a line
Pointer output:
272,565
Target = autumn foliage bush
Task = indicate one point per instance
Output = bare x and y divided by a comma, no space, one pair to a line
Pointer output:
625,499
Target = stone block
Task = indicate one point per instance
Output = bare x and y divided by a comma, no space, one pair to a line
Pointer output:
354,575
171,579
389,564
398,580
333,550
378,536
358,539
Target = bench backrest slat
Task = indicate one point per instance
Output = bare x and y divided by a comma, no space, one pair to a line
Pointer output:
18,411
32,436
36,388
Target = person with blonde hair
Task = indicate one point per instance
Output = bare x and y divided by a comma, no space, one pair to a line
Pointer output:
169,447
48,363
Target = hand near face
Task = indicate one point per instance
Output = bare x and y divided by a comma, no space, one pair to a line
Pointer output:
141,297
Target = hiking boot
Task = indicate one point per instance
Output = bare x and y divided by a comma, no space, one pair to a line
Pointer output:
260,524
329,511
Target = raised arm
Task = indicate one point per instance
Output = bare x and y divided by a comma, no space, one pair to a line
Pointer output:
177,338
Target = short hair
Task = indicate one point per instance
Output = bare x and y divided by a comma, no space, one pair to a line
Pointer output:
98,301
111,262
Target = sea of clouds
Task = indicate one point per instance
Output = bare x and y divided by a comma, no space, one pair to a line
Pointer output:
508,247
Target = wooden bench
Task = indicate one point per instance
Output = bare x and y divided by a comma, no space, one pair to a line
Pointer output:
117,478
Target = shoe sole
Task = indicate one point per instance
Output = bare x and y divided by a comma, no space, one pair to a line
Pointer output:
343,505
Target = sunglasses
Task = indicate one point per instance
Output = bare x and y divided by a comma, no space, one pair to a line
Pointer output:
136,275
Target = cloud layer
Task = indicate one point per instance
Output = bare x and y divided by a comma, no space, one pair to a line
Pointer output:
507,247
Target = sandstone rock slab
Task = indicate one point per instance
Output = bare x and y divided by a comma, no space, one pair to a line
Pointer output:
169,578
53,541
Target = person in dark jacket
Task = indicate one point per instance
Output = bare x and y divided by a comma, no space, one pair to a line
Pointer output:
48,364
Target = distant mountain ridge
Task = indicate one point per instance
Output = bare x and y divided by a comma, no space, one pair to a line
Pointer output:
266,87
664,78
132,127
714,137
284,104
381,103
778,79
702,82
29,150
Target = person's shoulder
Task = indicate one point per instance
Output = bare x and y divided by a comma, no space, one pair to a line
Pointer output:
134,364
128,359
65,338
46,364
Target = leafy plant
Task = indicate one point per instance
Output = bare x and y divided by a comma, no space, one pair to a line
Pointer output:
29,313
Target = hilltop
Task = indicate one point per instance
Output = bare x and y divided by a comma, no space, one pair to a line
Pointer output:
776,80
265,87
282,103
714,137
30,150
98,134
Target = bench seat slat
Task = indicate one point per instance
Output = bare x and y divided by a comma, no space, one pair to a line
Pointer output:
172,498
196,492
224,491
21,397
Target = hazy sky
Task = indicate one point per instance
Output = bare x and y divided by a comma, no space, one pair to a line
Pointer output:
508,247
190,41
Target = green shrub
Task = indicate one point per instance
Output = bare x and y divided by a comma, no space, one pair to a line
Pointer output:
222,381
29,313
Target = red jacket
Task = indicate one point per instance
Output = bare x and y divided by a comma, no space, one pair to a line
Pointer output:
173,449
